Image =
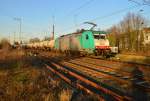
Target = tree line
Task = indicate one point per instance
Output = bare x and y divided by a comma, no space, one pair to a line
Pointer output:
36,39
5,44
128,34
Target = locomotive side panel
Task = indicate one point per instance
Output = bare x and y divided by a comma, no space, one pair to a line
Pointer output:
64,43
70,42
56,44
87,41
75,44
51,44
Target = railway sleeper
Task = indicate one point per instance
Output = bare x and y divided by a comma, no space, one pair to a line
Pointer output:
102,70
79,85
108,72
103,85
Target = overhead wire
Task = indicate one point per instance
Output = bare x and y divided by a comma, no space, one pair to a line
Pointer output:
75,10
103,17
115,13
80,7
111,14
138,3
146,2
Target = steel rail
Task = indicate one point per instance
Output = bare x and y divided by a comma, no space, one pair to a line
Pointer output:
76,85
93,84
124,80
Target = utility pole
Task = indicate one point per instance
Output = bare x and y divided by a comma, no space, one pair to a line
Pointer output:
53,32
14,37
20,26
20,31
9,38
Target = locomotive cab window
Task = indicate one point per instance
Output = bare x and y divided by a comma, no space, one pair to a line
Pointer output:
87,37
99,37
102,37
96,36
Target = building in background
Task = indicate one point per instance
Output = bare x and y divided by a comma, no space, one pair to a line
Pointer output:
146,32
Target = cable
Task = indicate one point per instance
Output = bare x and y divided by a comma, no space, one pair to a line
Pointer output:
143,2
69,28
5,15
85,4
106,16
80,7
135,2
148,1
75,10
116,12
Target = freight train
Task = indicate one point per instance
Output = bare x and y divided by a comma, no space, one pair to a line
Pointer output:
82,42
42,45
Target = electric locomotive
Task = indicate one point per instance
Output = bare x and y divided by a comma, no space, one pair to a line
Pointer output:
84,42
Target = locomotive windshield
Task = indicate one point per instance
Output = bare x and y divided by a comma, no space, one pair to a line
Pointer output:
99,36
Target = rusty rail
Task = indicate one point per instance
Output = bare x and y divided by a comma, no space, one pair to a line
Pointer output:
88,82
77,85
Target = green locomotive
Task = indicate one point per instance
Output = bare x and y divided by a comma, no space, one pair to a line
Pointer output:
84,42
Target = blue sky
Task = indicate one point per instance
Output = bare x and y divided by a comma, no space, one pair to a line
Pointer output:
37,15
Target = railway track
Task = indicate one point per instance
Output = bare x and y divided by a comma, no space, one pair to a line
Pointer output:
87,83
108,79
127,68
128,78
109,74
86,74
110,69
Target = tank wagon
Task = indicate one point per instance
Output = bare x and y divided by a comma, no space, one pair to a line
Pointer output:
84,42
42,45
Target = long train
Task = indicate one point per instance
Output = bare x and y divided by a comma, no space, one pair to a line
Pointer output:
83,42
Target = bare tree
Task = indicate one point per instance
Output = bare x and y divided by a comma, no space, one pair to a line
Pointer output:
4,44
114,36
128,33
34,40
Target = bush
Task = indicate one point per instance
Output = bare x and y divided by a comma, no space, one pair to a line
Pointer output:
4,44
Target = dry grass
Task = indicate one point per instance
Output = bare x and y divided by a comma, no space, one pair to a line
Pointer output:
65,95
23,78
134,58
